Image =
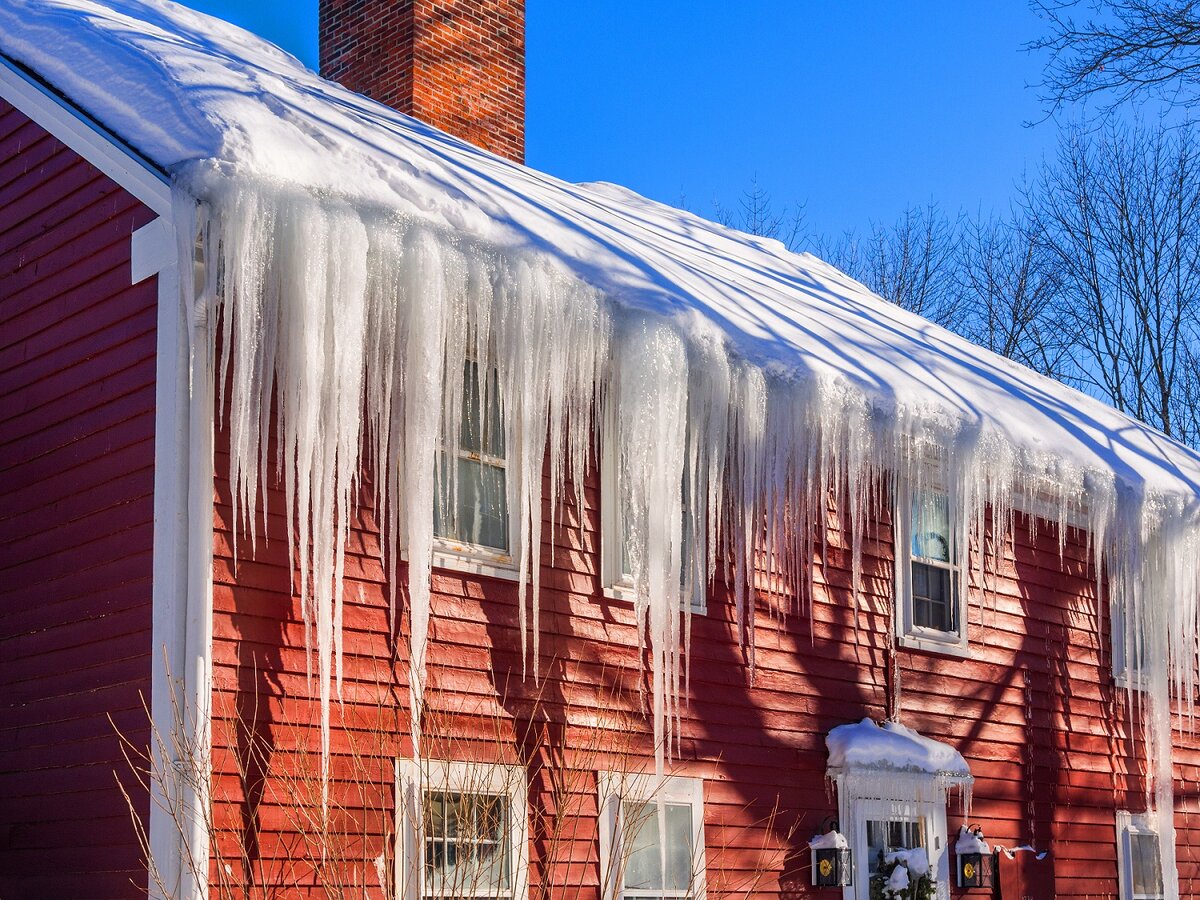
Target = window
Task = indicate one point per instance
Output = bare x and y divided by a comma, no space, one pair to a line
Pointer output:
930,608
471,519
462,830
1128,661
1139,867
645,855
615,567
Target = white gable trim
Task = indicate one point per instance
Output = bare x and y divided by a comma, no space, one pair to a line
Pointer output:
86,137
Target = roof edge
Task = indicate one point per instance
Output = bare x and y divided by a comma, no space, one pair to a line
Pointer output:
104,149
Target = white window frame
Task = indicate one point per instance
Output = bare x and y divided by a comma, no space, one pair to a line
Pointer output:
463,777
1129,824
856,807
614,789
907,632
1123,675
477,559
618,585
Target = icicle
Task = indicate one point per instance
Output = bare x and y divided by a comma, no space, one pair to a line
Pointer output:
652,378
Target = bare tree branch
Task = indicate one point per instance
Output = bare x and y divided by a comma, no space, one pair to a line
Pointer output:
1122,49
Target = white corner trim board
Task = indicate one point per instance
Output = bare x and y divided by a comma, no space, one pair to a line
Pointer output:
181,631
153,252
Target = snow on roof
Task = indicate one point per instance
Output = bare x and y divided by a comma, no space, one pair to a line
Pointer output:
867,747
197,95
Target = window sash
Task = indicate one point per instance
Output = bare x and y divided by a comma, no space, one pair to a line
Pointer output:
913,827
478,504
614,538
494,794
618,793
928,549
464,872
897,804
643,849
1141,871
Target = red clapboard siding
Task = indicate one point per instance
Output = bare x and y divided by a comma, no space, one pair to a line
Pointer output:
1034,709
77,374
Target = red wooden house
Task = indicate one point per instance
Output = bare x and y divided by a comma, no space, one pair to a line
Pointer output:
323,430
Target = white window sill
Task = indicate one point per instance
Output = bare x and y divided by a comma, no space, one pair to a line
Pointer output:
929,643
1137,682
623,592
473,560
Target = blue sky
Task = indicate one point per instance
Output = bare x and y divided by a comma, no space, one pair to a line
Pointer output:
857,109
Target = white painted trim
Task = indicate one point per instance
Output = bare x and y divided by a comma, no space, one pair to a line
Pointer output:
414,778
153,252
199,608
86,137
613,788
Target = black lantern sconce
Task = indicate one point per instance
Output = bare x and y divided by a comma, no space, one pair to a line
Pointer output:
832,864
976,862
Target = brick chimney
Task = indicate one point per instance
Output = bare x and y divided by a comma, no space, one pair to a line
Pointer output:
457,64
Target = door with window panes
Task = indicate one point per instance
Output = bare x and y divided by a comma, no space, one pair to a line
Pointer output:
884,826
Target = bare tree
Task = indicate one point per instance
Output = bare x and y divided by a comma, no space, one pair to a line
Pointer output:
910,263
1008,287
1118,215
1122,49
757,214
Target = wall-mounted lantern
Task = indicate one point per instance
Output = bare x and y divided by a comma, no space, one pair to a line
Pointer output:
831,858
975,859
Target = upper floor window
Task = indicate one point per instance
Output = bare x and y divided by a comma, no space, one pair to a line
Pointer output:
615,563
471,515
1128,650
930,608
646,855
1138,862
462,830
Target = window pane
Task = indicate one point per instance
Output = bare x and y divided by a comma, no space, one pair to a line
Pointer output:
884,836
467,844
1147,872
931,526
643,866
481,510
933,592
481,434
679,847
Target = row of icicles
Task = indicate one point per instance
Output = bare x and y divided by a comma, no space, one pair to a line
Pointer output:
358,327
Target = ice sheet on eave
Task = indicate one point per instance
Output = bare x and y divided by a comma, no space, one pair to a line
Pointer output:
200,98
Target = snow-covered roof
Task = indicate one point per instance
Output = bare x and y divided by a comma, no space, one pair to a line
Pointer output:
196,95
891,747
